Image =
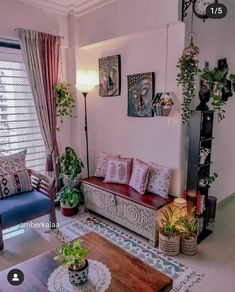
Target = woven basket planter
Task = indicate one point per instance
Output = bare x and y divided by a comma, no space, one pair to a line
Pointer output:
188,246
71,183
169,245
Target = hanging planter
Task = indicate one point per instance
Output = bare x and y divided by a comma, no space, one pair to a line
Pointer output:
188,70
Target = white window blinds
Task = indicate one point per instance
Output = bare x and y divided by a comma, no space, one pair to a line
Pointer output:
19,126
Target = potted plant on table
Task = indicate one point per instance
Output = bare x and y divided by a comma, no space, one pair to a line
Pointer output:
188,231
74,257
70,167
169,238
70,199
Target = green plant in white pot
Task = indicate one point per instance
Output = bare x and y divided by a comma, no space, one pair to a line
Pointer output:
74,257
70,198
169,238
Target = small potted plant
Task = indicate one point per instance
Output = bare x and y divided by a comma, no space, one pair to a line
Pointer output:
70,167
169,238
70,198
188,231
74,257
207,181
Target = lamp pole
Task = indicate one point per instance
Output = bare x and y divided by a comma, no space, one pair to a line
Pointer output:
86,133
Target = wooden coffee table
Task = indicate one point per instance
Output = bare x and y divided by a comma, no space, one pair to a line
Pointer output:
128,272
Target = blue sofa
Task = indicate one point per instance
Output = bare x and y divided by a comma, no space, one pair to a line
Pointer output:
29,205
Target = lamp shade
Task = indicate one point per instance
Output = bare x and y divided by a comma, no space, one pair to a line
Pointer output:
86,81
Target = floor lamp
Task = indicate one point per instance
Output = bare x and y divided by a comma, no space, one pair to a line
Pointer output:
86,83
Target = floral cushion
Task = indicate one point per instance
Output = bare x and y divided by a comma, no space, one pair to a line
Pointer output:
139,177
118,170
13,162
102,161
14,183
159,179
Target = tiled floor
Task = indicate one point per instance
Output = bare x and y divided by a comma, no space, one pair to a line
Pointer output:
216,256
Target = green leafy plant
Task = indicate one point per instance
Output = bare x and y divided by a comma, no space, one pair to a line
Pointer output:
205,181
72,196
169,225
72,254
188,70
65,101
70,163
188,225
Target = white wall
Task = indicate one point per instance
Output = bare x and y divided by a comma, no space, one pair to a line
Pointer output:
216,40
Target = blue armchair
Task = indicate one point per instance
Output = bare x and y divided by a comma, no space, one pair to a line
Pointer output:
29,205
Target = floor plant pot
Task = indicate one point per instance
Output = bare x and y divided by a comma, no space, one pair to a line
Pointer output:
189,246
170,245
68,210
78,277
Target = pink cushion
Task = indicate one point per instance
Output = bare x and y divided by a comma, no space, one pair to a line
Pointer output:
159,179
118,170
13,163
139,177
102,161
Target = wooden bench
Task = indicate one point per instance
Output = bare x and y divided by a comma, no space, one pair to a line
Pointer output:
125,206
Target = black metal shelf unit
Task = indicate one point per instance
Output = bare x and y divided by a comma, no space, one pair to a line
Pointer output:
200,138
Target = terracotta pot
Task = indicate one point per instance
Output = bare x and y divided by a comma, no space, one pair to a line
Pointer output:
68,210
78,277
169,245
188,246
72,183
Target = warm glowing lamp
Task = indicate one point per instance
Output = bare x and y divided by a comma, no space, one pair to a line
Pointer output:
180,205
86,82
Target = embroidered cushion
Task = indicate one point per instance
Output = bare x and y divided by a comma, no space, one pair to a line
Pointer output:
159,179
118,170
14,183
102,161
139,177
13,162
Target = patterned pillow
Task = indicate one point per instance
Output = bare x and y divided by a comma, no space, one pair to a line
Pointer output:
102,161
139,177
118,170
13,162
159,180
14,183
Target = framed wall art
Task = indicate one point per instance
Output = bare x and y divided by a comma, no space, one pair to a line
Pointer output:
110,76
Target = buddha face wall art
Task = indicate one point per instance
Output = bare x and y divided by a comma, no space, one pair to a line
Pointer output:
140,94
110,76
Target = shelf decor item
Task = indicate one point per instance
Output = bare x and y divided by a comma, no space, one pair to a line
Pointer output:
74,257
169,238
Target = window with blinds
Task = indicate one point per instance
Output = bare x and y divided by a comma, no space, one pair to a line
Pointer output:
19,126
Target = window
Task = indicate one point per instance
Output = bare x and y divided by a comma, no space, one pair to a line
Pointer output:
19,126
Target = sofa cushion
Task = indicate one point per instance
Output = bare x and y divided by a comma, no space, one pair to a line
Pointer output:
13,163
102,162
15,183
20,208
139,177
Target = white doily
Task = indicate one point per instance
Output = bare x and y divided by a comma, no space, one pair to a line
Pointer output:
99,278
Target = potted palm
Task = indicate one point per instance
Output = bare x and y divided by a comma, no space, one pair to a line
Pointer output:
70,198
70,167
188,231
74,257
169,238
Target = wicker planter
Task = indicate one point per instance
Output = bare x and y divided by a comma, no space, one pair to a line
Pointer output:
78,277
169,245
72,183
188,246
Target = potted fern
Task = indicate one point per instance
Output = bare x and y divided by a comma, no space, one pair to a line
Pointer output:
188,231
74,257
169,238
70,199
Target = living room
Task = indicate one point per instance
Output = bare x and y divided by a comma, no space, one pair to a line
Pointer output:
138,88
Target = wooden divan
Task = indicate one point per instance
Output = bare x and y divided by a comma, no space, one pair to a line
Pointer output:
125,206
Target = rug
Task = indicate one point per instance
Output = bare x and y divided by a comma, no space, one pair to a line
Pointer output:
183,277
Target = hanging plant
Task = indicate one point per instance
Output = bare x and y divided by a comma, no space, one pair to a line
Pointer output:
65,101
188,70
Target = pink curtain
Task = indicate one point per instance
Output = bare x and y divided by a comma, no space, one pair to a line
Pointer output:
41,56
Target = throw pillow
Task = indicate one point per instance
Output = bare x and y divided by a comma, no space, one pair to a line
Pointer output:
14,183
13,162
118,170
102,161
159,179
139,177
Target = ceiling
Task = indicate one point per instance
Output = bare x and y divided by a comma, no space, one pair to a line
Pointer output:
71,7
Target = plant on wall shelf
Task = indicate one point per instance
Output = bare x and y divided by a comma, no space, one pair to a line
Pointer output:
207,181
65,101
